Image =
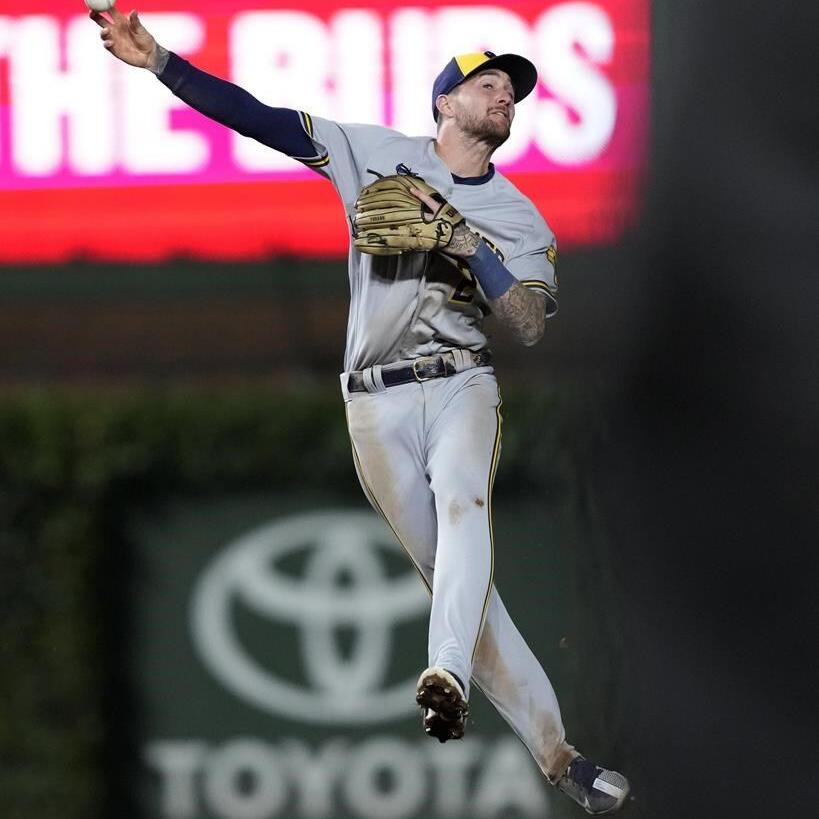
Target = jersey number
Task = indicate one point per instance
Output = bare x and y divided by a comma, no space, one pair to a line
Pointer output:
464,292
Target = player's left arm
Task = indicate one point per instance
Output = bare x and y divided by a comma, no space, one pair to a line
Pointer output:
524,311
522,302
521,308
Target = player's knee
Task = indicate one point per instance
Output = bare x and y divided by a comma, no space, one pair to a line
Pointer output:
454,508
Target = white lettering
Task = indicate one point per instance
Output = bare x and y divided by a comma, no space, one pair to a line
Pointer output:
149,144
282,58
75,109
386,780
450,769
382,778
243,781
177,763
577,125
314,775
509,780
45,95
358,67
413,71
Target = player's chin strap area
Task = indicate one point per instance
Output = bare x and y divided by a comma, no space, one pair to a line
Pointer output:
379,377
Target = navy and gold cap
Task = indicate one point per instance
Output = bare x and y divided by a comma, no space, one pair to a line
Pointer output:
522,73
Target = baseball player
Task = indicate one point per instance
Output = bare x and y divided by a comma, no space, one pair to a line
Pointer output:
440,240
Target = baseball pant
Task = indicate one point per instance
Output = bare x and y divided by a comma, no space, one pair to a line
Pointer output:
426,455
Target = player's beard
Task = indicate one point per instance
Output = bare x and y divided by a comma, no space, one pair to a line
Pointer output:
490,129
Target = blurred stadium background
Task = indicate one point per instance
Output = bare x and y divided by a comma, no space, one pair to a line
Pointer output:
174,460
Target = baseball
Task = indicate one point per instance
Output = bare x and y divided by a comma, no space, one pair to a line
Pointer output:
100,5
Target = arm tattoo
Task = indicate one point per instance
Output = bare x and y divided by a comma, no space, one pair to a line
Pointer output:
463,243
160,60
522,310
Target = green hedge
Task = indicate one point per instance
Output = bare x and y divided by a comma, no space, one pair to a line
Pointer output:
72,463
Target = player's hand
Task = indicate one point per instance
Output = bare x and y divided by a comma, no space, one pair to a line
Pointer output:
126,38
463,243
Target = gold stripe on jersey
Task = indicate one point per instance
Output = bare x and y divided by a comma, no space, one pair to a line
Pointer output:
316,161
536,284
307,123
377,506
490,485
319,162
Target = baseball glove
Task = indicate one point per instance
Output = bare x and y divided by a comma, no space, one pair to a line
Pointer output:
390,220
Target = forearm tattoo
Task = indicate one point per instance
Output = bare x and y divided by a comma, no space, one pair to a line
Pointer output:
523,311
160,60
463,243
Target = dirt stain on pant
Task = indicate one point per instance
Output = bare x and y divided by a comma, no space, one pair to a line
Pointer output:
553,754
493,673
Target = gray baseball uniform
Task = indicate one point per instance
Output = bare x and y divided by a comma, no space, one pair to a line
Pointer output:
426,448
426,452
419,304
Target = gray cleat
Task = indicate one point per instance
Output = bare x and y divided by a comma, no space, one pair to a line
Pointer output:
595,789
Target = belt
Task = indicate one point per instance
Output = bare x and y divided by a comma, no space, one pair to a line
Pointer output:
422,369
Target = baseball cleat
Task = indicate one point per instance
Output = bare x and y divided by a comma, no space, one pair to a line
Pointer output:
595,789
441,698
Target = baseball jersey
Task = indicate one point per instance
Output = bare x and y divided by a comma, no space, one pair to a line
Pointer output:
417,304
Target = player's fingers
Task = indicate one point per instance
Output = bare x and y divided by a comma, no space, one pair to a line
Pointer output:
134,22
425,198
99,19
431,204
106,35
116,15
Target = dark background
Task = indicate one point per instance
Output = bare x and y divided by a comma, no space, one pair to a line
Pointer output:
710,488
693,344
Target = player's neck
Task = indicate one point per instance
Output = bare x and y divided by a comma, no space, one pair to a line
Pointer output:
462,156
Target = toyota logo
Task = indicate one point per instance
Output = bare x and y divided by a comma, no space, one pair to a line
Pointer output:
343,584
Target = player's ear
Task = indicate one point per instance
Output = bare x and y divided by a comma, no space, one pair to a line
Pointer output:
444,105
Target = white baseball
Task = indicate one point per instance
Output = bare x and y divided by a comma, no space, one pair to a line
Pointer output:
99,5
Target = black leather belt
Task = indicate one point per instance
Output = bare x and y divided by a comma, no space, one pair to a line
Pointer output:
419,369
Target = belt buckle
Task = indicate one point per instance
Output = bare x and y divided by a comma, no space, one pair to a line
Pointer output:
419,378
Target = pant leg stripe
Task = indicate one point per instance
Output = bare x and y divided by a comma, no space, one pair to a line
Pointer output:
492,470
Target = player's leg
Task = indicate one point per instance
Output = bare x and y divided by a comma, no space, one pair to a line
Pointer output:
386,436
514,681
463,445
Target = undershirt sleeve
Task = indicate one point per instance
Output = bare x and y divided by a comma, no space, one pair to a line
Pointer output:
230,105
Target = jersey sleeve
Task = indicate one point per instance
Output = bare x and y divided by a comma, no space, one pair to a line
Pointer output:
232,106
342,151
534,262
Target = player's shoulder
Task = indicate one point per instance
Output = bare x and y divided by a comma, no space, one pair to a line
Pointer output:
367,129
512,197
377,143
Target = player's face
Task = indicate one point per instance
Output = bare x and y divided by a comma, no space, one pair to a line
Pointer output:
484,106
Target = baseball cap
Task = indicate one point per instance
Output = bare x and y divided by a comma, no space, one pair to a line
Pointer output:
522,73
